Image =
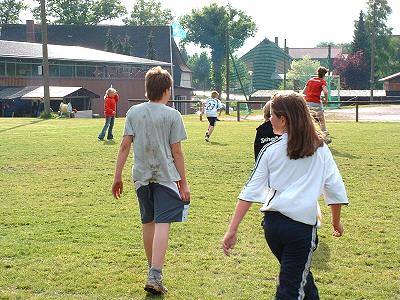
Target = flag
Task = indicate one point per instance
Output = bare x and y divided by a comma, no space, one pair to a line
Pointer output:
177,30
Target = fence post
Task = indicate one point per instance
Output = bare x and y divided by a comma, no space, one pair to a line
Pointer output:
201,110
356,111
238,111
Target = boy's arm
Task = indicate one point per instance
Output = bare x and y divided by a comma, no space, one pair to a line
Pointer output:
230,237
123,154
179,161
325,90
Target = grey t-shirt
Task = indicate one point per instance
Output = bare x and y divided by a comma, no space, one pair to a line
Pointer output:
154,127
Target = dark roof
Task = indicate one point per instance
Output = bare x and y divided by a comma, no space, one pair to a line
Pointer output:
11,93
69,53
316,53
390,77
36,92
94,36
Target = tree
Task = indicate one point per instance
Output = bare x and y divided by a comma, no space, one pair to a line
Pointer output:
184,53
201,67
209,28
151,52
377,14
10,11
127,47
149,12
360,37
351,72
81,12
109,44
118,46
300,71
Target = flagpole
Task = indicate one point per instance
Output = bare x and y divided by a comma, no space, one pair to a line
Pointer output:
172,66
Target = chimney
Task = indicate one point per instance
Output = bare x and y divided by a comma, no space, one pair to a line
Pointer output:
276,41
30,31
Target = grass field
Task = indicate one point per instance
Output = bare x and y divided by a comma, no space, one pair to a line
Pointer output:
63,236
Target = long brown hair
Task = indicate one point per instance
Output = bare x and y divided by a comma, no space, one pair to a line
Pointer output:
303,139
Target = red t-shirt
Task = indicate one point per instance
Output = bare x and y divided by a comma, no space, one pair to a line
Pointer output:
314,88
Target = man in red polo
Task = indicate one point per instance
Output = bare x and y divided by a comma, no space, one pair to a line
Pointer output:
312,92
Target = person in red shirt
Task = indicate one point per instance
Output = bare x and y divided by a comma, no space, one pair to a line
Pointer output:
312,92
110,107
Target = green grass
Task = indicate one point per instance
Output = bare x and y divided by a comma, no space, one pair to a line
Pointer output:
63,236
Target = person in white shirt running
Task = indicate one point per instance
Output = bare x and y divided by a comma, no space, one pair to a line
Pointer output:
288,178
212,106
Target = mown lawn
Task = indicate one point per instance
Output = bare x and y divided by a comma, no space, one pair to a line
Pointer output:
63,236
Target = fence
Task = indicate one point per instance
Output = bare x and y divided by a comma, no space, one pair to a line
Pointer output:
355,102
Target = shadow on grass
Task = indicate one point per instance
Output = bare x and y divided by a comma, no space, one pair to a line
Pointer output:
151,296
22,125
321,256
218,144
342,154
109,142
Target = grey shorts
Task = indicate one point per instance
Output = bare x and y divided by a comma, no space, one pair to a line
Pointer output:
161,204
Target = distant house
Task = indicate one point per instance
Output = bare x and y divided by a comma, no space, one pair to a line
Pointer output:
73,66
320,54
95,36
266,62
391,84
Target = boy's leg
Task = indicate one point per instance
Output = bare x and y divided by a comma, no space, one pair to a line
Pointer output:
160,244
148,237
102,134
110,129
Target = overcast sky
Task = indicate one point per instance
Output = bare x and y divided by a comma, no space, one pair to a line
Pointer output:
295,20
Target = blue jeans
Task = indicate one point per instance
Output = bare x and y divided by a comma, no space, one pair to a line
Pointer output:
292,243
109,124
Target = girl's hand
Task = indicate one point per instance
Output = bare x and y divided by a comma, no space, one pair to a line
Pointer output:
338,229
229,241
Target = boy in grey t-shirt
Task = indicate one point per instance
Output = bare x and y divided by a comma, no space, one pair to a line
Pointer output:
156,131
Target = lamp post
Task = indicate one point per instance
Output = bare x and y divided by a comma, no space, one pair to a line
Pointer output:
250,82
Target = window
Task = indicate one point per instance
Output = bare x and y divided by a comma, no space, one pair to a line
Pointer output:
2,68
10,69
54,70
66,71
23,69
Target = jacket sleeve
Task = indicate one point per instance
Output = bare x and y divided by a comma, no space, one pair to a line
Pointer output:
108,110
116,98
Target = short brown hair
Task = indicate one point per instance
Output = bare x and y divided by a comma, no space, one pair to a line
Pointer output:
322,71
214,94
303,139
157,81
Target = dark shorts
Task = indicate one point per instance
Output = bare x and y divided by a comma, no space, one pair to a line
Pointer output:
161,204
212,120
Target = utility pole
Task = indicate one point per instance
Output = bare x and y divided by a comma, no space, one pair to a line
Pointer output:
373,37
45,55
284,64
227,60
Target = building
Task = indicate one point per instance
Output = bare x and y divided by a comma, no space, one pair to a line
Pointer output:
95,37
73,66
391,84
266,63
320,54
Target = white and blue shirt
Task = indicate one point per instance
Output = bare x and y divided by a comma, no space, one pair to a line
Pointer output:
212,106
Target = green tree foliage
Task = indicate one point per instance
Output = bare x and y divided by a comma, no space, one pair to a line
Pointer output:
376,21
209,28
118,46
10,11
151,52
300,71
81,12
361,37
201,68
127,46
149,12
184,53
109,44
